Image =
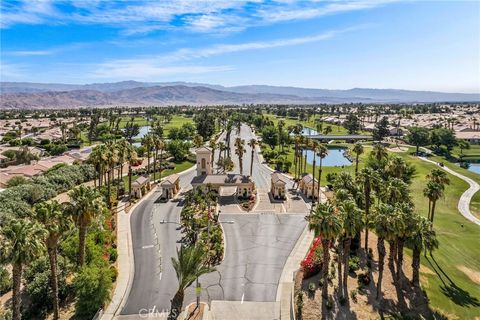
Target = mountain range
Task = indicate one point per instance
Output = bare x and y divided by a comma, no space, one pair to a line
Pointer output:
55,95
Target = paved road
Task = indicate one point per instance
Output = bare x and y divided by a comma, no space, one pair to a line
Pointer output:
257,247
154,245
466,198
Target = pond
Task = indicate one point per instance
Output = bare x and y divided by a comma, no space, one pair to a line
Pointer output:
309,131
474,167
143,131
335,158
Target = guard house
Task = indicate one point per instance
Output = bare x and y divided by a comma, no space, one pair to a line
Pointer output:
214,182
140,186
278,186
170,186
204,161
308,186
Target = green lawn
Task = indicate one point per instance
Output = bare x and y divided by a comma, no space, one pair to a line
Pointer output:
445,279
468,154
179,167
336,130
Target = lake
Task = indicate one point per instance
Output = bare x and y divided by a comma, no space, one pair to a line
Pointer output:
335,158
309,131
143,131
474,167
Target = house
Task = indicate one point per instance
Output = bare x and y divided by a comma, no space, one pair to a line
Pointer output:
308,186
140,186
278,185
470,136
204,158
170,186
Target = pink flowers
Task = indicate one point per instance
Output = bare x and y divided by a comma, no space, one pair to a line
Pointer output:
312,263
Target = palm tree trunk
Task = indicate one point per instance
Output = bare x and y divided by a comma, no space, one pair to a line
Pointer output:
416,266
339,267
52,256
251,164
154,164
346,258
319,179
400,244
16,299
82,233
429,208
367,211
177,303
391,257
356,165
129,180
313,185
381,264
433,212
326,262
160,164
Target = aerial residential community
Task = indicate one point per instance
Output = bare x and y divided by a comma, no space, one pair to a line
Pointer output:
179,160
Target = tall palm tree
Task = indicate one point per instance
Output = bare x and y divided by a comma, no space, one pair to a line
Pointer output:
396,167
321,153
382,227
438,176
351,217
379,152
131,158
189,266
239,151
422,237
159,147
433,191
21,244
112,161
85,205
404,227
358,150
367,178
122,150
252,144
147,141
55,223
314,148
326,223
214,146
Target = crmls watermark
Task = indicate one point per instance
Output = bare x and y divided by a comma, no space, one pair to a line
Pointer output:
156,313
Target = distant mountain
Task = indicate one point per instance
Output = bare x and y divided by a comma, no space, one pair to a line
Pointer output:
40,95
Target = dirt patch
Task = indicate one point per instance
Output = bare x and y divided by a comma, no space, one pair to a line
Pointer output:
426,270
194,313
472,274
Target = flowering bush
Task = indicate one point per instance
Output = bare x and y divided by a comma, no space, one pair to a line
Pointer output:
312,264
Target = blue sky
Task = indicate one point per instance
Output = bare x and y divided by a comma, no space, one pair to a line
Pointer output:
419,45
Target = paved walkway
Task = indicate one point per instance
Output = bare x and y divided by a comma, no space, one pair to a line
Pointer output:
466,198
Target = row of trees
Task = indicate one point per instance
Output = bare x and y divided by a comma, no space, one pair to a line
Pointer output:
377,198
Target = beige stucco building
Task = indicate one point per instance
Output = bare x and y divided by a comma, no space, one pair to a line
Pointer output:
278,185
308,186
170,186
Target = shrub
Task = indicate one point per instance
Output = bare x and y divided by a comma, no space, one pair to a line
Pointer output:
353,294
5,281
312,287
363,280
311,265
92,287
353,264
113,254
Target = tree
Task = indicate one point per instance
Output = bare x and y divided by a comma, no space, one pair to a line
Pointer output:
131,157
189,266
239,151
368,177
178,149
198,141
381,129
314,145
85,205
147,141
422,237
433,191
358,150
270,136
131,130
205,123
21,244
326,223
463,144
419,137
438,176
159,146
382,228
55,223
352,124
321,153
351,217
92,289
252,144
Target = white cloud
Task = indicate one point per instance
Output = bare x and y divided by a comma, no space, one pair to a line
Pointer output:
29,53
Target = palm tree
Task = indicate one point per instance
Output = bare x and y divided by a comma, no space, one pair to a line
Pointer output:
314,148
239,151
367,178
159,146
422,237
404,227
321,153
85,205
131,157
438,176
122,147
382,227
55,223
147,141
112,160
326,223
351,217
213,145
198,141
98,159
189,266
433,191
396,167
21,244
358,150
379,152
252,144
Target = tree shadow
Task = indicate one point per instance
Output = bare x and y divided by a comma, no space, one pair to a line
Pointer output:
450,289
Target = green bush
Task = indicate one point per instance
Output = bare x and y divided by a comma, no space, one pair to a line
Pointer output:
353,264
113,254
92,287
5,281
